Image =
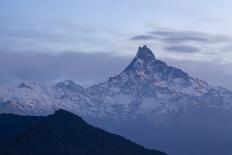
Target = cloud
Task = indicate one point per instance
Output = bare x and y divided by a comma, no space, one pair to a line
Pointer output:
202,45
227,48
88,69
143,37
176,36
179,36
55,37
85,69
183,48
183,36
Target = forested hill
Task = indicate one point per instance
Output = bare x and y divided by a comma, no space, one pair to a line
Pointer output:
62,133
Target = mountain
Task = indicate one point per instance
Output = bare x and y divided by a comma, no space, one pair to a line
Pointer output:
61,133
146,87
150,102
26,98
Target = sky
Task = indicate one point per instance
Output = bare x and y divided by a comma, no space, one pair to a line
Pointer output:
88,41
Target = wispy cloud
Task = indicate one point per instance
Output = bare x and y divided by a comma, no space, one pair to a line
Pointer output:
184,41
144,37
183,48
182,36
55,37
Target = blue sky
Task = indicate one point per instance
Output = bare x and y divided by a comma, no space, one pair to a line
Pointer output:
195,31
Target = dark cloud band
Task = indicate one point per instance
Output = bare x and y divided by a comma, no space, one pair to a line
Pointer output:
183,48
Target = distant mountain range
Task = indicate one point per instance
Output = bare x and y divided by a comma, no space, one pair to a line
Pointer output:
62,133
146,87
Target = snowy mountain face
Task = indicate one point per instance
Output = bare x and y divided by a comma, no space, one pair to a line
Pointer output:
146,87
26,98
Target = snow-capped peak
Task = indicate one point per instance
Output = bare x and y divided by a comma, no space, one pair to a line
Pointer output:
142,59
146,68
145,54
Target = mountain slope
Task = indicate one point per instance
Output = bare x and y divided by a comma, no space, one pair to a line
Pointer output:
26,98
61,133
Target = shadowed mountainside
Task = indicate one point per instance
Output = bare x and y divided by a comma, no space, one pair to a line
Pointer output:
62,133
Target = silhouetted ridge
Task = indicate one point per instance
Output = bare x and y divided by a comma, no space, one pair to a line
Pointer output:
61,133
61,112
